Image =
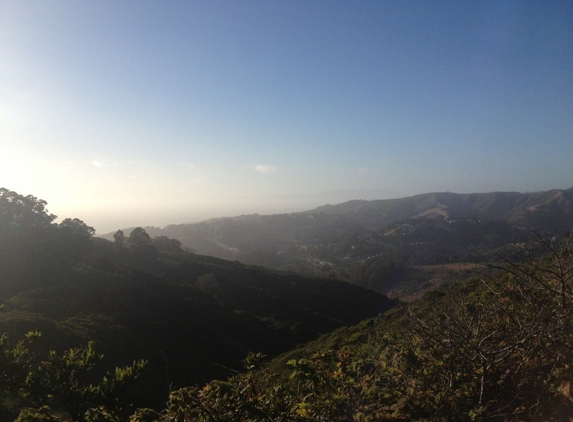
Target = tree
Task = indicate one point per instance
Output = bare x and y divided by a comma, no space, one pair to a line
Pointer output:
76,228
139,237
141,246
119,239
167,245
497,348
26,236
72,238
20,213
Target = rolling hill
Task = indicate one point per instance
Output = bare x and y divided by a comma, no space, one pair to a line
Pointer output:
359,241
547,210
192,317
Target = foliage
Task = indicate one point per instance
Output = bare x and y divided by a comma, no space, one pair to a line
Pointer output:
166,245
499,348
119,238
72,239
139,237
32,245
50,386
19,212
141,248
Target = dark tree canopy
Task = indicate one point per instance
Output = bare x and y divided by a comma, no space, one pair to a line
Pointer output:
22,213
141,248
139,237
76,227
73,238
119,238
32,244
167,245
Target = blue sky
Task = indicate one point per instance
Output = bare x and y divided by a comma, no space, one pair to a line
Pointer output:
128,113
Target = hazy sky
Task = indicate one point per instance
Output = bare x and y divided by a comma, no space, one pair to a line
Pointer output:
126,113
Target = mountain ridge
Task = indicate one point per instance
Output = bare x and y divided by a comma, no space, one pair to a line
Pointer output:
394,246
511,206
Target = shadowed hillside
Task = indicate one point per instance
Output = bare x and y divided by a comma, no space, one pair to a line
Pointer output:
192,317
493,349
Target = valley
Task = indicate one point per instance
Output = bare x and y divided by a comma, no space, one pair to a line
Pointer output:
370,242
320,297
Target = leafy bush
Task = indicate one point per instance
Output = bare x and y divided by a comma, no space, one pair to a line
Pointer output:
50,386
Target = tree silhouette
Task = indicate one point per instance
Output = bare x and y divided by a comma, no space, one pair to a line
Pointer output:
139,237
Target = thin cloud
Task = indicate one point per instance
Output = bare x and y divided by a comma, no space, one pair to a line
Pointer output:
65,166
100,164
265,169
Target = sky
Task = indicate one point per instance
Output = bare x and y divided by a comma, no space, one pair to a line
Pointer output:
147,112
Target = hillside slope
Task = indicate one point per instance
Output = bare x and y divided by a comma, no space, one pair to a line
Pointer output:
492,349
386,245
193,317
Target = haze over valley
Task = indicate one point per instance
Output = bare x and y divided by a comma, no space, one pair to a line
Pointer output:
401,247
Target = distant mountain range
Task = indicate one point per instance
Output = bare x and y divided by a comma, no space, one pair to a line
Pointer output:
371,242
547,210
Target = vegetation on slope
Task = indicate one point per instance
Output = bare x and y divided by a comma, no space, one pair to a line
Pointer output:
493,349
191,317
